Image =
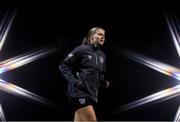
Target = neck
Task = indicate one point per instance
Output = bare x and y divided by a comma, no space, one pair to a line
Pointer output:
95,46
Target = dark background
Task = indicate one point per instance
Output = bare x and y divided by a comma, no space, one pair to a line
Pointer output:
140,27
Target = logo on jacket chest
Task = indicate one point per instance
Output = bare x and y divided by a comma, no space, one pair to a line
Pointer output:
89,57
101,59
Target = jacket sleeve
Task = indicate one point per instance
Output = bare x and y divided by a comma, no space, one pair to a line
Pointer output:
67,64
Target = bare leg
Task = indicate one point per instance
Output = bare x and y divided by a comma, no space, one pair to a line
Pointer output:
76,117
85,114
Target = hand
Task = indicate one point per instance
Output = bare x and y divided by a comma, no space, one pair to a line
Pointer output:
78,84
107,84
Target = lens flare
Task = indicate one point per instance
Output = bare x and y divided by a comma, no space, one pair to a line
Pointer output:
16,62
160,67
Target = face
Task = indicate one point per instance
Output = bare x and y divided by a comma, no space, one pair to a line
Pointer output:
98,37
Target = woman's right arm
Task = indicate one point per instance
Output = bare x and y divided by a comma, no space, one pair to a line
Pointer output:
67,64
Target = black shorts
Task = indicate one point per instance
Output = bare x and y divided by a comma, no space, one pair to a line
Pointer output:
80,102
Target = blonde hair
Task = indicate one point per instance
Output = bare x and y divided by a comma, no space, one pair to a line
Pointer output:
91,32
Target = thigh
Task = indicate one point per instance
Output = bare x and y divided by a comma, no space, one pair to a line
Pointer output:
85,114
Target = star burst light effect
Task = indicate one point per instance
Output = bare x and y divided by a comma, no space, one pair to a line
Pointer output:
16,62
160,67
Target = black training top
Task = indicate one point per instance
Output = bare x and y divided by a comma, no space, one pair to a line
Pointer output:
84,68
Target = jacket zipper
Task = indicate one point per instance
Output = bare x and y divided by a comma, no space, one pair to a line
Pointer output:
96,58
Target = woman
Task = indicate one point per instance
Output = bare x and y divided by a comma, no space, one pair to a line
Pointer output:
84,68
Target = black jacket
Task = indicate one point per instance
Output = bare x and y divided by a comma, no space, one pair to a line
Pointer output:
84,68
